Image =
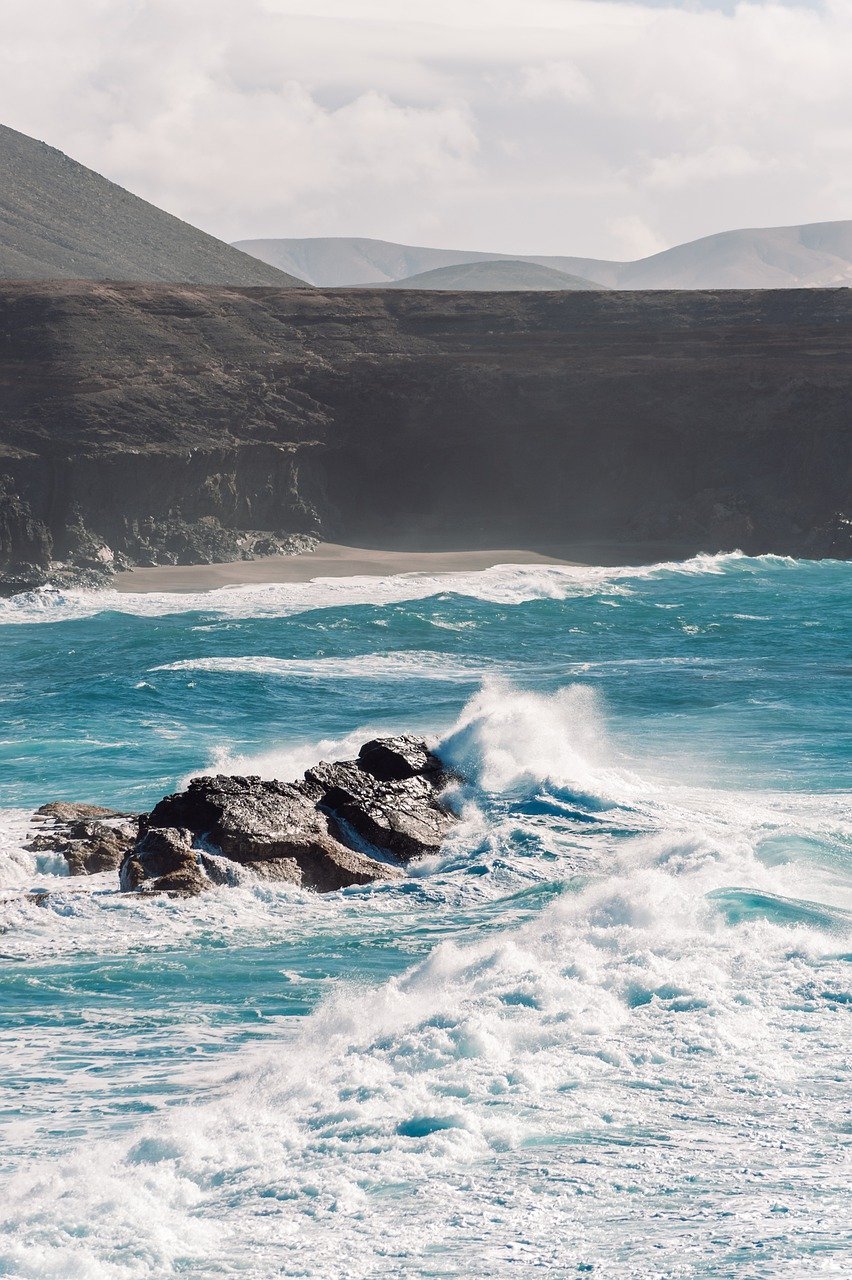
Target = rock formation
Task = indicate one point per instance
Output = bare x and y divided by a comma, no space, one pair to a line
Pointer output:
343,824
163,861
90,839
159,423
347,823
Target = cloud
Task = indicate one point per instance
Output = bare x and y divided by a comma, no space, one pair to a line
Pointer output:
554,126
555,80
634,239
715,164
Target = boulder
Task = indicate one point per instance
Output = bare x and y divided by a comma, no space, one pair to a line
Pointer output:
67,811
395,759
163,861
90,838
274,829
344,824
402,817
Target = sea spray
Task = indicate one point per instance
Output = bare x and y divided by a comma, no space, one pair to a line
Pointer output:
508,739
607,1027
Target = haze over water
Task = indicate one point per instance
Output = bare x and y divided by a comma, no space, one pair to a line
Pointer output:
606,1031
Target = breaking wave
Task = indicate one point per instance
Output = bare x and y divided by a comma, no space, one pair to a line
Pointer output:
605,1031
503,584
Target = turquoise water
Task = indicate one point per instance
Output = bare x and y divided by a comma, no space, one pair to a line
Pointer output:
607,1031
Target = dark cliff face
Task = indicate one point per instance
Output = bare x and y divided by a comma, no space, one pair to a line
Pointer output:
716,420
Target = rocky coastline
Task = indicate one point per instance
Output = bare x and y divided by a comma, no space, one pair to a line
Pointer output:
342,824
157,424
84,559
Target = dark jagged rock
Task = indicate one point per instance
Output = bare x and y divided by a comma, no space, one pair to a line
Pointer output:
345,824
17,577
273,828
394,759
90,838
388,797
21,529
163,861
174,540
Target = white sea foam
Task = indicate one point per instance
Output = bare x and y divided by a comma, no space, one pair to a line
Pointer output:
423,1107
405,665
631,1053
502,584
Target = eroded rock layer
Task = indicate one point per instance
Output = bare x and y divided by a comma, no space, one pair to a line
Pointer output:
170,424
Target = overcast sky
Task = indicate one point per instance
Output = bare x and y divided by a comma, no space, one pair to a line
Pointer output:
588,127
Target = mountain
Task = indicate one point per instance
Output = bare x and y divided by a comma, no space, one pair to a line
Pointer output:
62,221
494,276
816,255
338,262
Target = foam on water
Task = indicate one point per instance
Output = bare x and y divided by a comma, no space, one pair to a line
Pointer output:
502,584
406,665
607,1029
509,739
585,1057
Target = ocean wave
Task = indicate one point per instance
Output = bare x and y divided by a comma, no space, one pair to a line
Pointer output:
502,584
506,739
619,1028
406,665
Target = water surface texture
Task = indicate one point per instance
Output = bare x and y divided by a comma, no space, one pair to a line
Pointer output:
607,1031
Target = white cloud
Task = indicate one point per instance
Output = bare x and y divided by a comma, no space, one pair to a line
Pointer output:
634,239
713,164
555,80
552,126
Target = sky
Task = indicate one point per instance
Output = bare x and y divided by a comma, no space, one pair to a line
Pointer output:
603,128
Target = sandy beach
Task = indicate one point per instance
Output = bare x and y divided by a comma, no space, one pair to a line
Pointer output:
327,560
332,560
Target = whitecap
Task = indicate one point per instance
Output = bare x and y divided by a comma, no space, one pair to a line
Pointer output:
501,584
405,665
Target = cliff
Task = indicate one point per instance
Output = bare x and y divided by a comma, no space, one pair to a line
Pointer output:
155,420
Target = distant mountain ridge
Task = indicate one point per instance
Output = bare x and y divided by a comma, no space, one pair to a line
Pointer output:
504,274
814,255
62,221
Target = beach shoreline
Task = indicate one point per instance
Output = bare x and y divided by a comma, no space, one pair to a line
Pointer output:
334,560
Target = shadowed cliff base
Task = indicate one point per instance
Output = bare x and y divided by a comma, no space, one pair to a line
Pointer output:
146,424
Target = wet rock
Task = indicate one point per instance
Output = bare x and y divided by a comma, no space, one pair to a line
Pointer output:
395,759
164,861
344,824
16,578
70,811
90,838
273,828
389,797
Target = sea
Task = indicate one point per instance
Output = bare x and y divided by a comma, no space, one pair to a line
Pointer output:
606,1031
